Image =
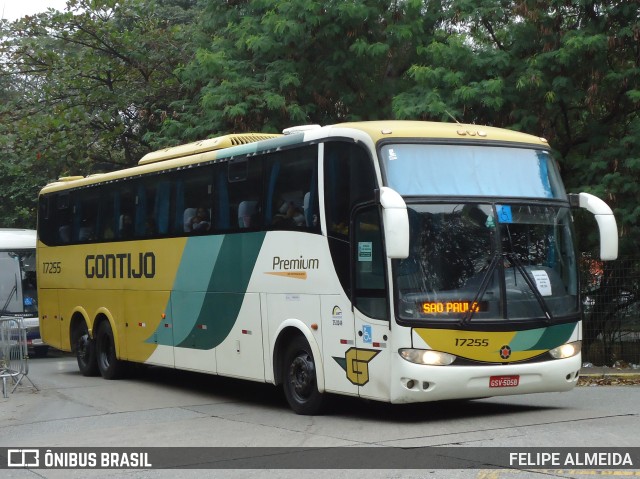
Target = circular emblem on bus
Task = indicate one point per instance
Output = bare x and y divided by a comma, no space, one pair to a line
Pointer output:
505,352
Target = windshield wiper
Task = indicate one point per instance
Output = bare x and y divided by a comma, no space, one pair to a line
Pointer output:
513,259
13,291
482,289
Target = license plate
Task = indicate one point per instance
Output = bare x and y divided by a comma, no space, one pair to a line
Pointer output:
504,381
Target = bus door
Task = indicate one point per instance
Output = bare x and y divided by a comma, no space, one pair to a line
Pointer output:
371,362
356,334
354,237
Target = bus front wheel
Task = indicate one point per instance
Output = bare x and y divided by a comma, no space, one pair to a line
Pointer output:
109,365
85,349
299,378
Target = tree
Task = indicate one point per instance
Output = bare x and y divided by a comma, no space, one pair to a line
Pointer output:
268,64
88,85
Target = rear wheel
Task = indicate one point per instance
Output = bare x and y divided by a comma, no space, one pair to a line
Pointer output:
85,349
109,365
300,380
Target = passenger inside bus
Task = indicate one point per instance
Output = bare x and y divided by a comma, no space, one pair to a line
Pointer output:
126,226
85,232
288,215
247,211
197,220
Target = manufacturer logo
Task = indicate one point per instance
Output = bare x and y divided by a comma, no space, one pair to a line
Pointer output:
356,364
505,352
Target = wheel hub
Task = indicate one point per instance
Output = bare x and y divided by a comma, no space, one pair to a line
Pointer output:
301,375
82,346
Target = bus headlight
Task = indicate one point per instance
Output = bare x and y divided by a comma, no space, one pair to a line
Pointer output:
427,356
566,350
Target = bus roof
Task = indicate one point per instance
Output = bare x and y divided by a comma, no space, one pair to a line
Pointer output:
384,129
15,238
228,146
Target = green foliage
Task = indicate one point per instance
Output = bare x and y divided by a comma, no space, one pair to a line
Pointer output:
271,63
84,87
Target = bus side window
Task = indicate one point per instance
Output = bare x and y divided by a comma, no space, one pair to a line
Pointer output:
142,222
242,194
47,219
125,211
62,218
107,224
85,216
291,189
162,207
153,206
221,213
193,203
349,179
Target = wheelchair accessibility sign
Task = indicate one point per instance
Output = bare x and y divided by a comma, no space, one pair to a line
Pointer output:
367,334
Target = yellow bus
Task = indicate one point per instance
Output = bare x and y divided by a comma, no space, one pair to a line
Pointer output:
395,261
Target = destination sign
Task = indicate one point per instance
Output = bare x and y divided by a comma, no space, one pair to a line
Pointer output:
448,307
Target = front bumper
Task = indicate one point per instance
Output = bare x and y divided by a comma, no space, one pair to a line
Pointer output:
419,383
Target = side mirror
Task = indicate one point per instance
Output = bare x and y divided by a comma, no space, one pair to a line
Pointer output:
606,223
395,220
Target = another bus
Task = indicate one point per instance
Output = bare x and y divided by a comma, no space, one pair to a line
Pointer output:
396,261
18,286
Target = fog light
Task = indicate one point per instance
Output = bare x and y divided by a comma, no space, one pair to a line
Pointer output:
566,350
427,356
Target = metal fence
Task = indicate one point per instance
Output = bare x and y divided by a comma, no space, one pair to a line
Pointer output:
611,298
14,357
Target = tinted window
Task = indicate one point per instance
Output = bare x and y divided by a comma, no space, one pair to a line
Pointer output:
273,191
291,193
349,180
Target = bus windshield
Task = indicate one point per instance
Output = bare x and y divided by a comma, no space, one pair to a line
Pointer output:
18,290
470,170
481,261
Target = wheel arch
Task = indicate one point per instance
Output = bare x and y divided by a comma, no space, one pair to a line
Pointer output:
286,332
103,315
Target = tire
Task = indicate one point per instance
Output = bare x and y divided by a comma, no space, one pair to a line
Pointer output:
85,349
299,378
109,365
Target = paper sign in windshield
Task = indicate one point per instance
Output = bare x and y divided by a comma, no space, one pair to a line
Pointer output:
542,282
